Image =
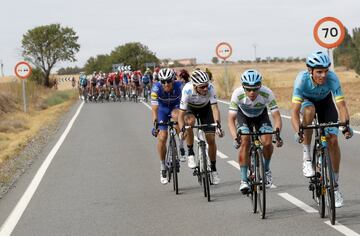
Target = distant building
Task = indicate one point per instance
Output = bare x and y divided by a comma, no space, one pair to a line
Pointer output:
184,62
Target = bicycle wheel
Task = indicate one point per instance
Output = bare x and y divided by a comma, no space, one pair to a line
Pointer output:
262,186
174,164
205,172
167,163
319,182
329,184
253,179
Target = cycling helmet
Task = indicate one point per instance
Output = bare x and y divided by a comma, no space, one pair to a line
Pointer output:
318,60
199,77
166,74
251,78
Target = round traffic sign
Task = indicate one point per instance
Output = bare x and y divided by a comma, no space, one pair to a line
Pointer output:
22,70
223,50
329,32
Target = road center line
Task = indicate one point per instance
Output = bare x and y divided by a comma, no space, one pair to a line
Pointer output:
14,217
342,229
297,202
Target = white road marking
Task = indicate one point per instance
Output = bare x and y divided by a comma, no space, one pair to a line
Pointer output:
234,164
297,202
221,155
14,217
342,229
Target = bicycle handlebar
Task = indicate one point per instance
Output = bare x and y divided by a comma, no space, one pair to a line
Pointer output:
323,125
200,126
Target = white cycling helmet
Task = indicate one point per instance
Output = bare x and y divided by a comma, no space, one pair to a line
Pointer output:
199,77
251,78
166,74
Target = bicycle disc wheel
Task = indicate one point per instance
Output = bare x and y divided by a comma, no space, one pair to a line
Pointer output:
262,186
174,166
254,178
329,183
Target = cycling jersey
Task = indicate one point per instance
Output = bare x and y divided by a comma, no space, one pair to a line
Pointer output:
190,98
265,98
164,99
146,79
305,88
83,81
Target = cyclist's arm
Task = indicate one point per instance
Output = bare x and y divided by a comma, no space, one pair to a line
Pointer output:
231,124
181,117
295,116
216,112
154,112
277,119
343,111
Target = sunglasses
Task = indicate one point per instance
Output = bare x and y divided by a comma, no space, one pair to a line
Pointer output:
254,89
169,81
203,86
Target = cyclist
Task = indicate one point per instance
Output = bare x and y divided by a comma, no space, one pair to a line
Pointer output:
82,85
165,101
156,75
248,106
313,92
199,99
209,74
184,76
146,79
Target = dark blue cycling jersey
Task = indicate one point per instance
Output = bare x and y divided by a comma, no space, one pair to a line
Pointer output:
166,101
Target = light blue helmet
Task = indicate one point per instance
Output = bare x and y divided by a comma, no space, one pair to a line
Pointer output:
251,78
318,60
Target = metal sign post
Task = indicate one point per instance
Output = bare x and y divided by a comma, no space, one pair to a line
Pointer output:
23,71
224,50
329,33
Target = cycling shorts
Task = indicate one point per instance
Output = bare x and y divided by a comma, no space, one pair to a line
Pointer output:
164,114
261,123
325,110
205,115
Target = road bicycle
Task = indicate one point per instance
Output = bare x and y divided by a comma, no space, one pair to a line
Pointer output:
322,183
146,92
202,171
172,155
256,174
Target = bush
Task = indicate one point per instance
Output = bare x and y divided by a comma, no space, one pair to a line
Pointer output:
59,97
221,85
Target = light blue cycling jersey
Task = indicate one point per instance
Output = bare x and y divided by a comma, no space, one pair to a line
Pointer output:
305,88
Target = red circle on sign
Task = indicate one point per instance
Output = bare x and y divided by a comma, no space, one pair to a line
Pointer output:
217,48
342,32
28,72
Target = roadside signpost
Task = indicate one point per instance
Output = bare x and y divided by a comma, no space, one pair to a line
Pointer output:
223,51
329,33
23,71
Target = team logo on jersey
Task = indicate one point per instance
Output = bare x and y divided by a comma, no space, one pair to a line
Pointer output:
188,92
258,105
154,96
155,89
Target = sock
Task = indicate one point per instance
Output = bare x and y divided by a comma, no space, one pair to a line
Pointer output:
306,152
190,149
336,178
267,164
213,165
162,165
181,143
243,173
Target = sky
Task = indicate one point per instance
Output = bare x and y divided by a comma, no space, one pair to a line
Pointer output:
176,29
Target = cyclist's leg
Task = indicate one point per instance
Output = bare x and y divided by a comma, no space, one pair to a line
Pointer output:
244,160
308,112
263,124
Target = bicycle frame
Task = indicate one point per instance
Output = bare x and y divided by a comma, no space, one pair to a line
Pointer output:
322,184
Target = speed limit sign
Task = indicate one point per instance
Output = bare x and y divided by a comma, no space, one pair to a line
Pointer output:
329,32
223,50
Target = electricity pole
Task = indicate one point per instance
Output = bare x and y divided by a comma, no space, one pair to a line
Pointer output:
254,45
2,68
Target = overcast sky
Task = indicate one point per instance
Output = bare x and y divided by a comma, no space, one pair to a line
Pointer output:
176,29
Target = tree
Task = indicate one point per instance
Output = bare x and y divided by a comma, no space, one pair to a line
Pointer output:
134,54
44,46
215,60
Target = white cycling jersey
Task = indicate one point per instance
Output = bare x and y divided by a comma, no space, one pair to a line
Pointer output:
190,98
253,108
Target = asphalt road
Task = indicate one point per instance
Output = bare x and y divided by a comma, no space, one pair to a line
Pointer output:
100,176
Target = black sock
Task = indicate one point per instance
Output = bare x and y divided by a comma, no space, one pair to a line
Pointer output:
213,165
190,149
